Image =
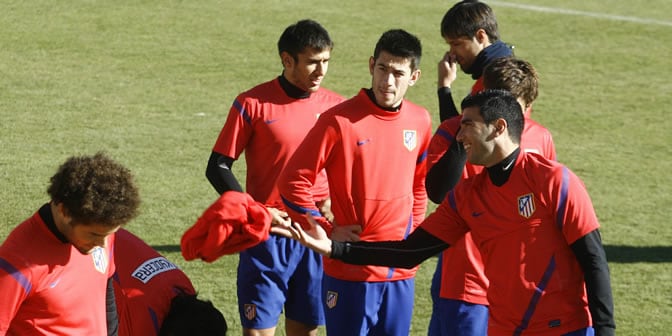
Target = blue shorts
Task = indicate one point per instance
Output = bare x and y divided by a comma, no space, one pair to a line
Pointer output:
368,308
279,273
589,331
456,317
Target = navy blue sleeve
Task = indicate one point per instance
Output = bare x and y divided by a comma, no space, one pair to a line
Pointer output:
219,173
407,253
593,260
447,108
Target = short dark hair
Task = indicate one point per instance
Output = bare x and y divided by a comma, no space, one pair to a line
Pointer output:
304,34
514,75
466,17
400,43
189,315
95,190
498,104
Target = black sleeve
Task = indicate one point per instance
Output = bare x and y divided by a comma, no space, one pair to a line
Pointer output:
593,260
447,107
111,310
407,253
220,175
445,173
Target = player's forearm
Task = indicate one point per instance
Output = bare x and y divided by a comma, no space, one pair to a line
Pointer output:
408,253
446,173
592,258
220,175
447,107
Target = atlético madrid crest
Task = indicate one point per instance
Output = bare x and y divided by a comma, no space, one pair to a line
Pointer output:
410,139
526,205
250,311
332,297
99,257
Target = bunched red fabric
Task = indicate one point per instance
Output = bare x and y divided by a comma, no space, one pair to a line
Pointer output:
234,222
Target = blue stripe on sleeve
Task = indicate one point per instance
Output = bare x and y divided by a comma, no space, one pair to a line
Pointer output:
20,278
238,106
445,135
422,157
451,200
562,203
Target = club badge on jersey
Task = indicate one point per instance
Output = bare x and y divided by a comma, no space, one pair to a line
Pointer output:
99,257
410,139
332,297
526,205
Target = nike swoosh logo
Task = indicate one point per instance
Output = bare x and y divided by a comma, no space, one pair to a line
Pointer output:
270,121
53,284
363,142
476,214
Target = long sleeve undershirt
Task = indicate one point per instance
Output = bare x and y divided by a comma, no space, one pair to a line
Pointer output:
421,245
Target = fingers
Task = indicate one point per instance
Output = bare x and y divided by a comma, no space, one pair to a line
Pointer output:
278,217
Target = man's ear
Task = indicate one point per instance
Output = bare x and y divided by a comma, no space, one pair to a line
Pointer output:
482,36
372,64
287,59
500,126
415,76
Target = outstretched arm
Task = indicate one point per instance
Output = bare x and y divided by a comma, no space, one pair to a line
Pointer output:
407,253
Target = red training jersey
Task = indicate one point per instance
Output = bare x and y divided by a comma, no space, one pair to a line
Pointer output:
524,230
268,125
462,275
144,285
48,287
375,162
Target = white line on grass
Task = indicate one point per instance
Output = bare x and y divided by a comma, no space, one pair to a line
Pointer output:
581,13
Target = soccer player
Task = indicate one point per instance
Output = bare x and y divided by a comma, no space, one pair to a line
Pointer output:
460,306
153,295
470,29
56,267
373,147
532,220
268,122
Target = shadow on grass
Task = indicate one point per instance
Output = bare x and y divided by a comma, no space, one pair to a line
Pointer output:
166,248
633,254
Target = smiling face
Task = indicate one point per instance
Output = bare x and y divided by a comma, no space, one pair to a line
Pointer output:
308,70
391,77
477,137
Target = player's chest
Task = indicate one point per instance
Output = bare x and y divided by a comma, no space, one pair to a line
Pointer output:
494,213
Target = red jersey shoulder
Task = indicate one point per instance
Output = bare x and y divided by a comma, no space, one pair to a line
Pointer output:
451,125
543,171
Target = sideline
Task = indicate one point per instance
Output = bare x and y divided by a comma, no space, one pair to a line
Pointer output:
581,13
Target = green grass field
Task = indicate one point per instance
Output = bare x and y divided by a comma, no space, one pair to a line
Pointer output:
151,82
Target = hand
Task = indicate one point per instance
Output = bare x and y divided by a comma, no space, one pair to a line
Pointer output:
325,208
447,70
279,217
315,238
346,233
